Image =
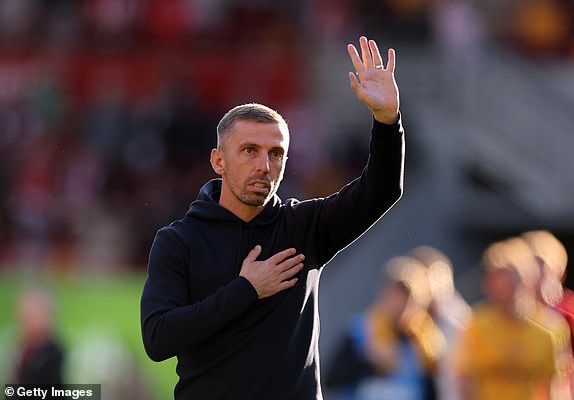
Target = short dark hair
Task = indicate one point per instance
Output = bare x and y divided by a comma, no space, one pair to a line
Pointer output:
247,112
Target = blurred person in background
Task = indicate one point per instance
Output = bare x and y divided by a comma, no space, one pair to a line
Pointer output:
232,287
395,339
448,309
550,262
553,260
502,353
40,357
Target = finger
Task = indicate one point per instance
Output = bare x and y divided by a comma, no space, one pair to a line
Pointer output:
287,284
354,81
291,262
391,62
366,52
354,54
291,272
377,59
282,255
254,253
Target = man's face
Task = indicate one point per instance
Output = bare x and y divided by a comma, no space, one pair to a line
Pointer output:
251,161
503,285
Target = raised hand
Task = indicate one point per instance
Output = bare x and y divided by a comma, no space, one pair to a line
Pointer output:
273,275
374,84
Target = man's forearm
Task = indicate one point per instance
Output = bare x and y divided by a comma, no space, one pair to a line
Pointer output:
169,332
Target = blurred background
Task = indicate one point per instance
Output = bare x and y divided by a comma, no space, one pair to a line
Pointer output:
108,111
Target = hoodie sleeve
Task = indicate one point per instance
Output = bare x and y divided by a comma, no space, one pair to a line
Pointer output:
347,214
169,323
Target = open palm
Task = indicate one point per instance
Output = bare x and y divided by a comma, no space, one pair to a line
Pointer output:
374,84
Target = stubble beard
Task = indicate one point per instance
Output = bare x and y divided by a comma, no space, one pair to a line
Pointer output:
255,199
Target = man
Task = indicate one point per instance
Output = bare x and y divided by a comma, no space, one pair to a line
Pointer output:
401,340
232,287
502,353
40,357
549,267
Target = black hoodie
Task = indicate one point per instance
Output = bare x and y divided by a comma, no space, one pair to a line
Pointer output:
195,306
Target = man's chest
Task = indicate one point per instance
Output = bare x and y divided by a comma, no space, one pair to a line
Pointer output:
216,258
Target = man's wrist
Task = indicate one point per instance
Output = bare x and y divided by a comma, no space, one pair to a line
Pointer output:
250,285
387,119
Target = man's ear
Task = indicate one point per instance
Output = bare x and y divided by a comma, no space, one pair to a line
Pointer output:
217,161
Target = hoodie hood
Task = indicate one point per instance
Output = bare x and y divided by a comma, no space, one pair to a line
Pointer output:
207,207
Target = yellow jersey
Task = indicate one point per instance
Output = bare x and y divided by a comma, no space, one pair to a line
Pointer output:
505,358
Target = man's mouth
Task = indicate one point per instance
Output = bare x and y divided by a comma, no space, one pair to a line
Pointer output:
260,187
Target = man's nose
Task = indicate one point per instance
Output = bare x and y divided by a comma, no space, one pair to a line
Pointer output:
263,163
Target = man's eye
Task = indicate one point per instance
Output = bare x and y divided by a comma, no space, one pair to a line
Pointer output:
277,154
249,150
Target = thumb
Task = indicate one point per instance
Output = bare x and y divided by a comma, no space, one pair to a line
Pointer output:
254,253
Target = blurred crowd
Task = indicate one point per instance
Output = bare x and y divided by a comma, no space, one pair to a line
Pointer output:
108,107
39,355
420,339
